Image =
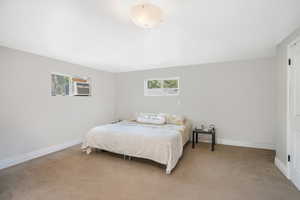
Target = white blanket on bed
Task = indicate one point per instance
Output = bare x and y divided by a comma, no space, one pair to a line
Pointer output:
161,143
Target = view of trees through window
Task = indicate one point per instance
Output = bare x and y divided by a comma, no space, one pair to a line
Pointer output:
170,83
153,84
161,87
60,85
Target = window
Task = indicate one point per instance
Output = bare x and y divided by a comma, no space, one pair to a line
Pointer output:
60,85
65,85
161,87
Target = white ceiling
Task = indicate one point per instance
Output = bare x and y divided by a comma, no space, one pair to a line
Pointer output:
100,34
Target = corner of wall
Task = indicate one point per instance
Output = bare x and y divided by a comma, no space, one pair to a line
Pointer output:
282,167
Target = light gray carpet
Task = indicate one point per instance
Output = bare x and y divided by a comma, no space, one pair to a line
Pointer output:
229,173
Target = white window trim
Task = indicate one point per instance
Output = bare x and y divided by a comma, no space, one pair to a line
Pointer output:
162,93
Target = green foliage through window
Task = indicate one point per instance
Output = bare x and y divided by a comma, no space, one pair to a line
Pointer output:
152,84
161,87
60,85
170,83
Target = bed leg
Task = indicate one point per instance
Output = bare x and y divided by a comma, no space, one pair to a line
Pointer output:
129,157
88,150
124,157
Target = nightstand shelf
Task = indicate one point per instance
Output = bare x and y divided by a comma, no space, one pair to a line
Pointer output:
211,132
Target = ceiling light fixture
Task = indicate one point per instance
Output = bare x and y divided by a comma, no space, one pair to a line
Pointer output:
146,15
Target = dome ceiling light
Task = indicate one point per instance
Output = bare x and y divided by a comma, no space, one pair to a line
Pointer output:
146,15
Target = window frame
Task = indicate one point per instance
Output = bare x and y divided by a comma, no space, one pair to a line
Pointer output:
160,91
71,84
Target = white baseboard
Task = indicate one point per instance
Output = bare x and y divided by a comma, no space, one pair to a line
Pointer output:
296,181
240,143
41,152
282,167
246,144
35,154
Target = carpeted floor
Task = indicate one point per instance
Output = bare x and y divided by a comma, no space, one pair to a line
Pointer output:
229,173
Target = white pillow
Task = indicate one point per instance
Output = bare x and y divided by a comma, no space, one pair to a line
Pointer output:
151,118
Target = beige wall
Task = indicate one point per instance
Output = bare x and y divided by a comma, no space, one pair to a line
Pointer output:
282,59
31,119
239,97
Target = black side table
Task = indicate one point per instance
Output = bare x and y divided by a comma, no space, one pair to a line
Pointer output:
211,132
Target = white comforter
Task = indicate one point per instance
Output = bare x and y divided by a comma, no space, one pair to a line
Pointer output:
161,143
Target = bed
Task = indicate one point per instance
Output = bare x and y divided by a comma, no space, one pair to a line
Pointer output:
160,143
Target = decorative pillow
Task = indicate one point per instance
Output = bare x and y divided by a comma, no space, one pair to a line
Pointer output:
151,118
175,119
